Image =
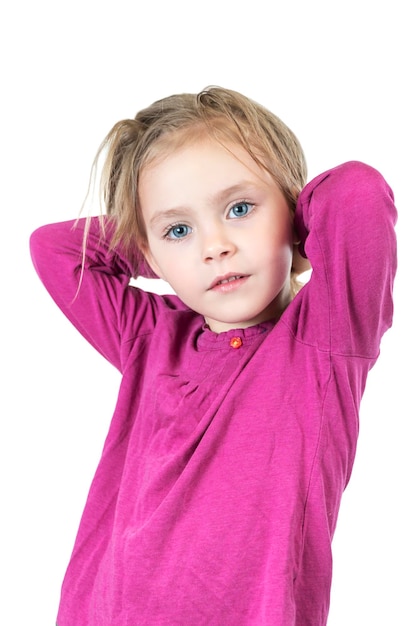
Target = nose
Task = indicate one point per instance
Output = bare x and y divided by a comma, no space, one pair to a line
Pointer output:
216,245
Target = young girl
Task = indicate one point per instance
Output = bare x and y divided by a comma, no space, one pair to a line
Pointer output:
234,434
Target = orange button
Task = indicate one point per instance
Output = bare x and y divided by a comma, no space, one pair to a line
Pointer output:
236,342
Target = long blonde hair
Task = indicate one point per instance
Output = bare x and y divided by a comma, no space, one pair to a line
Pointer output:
223,114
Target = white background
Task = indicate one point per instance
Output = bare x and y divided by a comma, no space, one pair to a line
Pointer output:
343,77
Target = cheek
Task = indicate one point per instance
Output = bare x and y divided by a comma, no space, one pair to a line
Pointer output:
279,260
173,267
277,245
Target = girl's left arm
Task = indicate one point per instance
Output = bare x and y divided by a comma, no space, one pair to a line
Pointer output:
345,218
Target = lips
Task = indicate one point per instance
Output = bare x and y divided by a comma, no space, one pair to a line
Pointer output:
224,280
228,280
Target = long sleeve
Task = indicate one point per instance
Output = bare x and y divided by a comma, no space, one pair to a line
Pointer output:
231,463
96,295
346,218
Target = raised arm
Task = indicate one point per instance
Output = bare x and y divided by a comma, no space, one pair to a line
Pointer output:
94,295
346,219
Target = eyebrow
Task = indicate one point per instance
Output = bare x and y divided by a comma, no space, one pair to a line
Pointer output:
220,196
168,214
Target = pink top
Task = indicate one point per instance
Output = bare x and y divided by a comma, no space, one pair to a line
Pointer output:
217,494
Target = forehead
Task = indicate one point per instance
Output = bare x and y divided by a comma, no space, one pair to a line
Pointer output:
201,175
203,157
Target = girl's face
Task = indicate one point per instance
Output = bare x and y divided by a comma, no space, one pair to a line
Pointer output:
220,233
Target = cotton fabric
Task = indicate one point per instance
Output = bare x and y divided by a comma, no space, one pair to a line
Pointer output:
217,494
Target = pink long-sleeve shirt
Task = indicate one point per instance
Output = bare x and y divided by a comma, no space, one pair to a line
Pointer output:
216,497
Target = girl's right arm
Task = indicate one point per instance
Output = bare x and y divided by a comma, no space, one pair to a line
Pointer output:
94,292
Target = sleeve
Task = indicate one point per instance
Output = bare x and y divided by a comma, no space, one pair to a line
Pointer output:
95,294
345,218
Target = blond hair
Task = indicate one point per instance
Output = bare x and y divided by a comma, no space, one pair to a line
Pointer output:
223,114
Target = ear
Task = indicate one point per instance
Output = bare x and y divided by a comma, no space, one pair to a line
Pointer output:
299,263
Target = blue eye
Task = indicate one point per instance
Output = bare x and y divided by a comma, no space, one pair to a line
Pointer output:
240,209
178,231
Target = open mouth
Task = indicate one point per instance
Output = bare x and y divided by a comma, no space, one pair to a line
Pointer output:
230,279
229,283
